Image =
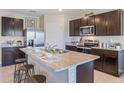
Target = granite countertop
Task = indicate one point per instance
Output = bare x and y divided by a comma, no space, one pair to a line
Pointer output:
7,45
112,49
63,61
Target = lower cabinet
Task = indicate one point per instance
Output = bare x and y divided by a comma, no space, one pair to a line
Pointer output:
110,62
110,66
10,54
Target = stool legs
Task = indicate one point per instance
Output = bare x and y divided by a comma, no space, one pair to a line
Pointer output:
21,75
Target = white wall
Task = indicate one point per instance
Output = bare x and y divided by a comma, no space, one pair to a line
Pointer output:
54,28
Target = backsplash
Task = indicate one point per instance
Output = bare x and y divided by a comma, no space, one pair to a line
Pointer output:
104,39
4,39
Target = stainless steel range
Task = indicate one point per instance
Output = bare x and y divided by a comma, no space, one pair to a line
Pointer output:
88,44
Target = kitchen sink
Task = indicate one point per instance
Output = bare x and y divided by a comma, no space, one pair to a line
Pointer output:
61,51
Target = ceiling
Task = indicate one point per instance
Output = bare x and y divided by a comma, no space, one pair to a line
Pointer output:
39,12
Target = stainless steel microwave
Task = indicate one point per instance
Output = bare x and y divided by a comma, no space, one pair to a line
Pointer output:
87,30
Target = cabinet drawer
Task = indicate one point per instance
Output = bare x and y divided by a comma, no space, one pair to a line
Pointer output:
97,52
111,54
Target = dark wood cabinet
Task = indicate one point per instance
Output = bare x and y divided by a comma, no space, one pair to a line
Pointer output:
74,27
10,54
113,23
98,62
8,57
91,20
71,28
100,23
77,27
12,26
84,21
7,26
108,24
110,62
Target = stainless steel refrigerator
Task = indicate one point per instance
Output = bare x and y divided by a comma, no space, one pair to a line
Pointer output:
34,37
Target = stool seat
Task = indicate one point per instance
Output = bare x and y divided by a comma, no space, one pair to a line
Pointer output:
21,60
36,79
26,67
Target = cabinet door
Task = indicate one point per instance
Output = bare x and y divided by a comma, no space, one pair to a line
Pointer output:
71,28
100,23
110,66
113,22
98,62
18,27
77,27
8,56
7,26
91,20
84,21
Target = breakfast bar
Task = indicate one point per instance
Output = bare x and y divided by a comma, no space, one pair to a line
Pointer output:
66,67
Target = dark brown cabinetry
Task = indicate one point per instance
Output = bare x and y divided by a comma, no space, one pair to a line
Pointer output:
84,21
77,27
113,22
12,26
87,21
110,61
108,23
71,28
10,54
91,20
100,23
74,26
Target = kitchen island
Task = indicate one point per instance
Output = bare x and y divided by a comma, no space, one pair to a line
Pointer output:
69,67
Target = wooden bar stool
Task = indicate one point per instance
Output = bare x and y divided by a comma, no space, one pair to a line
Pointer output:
25,71
36,79
18,63
22,70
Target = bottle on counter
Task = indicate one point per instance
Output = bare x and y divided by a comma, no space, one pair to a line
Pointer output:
81,41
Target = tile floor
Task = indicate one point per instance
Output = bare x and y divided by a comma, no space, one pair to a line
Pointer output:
6,76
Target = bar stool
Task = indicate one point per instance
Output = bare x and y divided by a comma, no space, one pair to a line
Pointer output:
36,79
22,70
18,63
25,71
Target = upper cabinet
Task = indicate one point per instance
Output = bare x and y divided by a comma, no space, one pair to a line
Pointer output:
106,24
74,27
100,23
84,21
113,22
12,26
71,28
91,20
87,21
